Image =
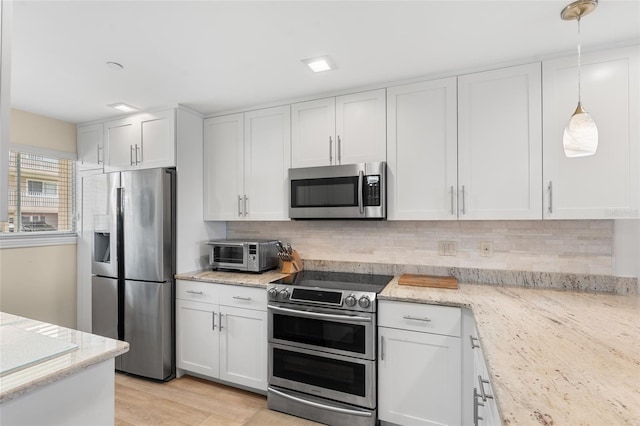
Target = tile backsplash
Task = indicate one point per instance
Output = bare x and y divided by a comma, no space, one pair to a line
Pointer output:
569,246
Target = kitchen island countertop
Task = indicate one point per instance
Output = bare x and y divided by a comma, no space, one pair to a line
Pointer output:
555,357
91,350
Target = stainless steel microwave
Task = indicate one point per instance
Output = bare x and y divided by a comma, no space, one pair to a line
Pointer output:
243,255
348,191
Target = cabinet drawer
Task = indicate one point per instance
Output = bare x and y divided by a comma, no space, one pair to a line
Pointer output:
197,291
244,297
435,319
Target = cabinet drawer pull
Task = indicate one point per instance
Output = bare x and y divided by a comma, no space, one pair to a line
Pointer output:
481,383
381,348
409,317
213,321
473,342
464,210
550,188
220,322
338,148
246,210
239,205
194,292
241,298
476,404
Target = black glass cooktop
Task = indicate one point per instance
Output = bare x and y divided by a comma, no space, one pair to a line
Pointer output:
337,280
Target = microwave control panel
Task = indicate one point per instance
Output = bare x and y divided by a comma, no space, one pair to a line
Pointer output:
371,190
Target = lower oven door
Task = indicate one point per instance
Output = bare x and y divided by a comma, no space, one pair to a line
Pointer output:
341,378
330,330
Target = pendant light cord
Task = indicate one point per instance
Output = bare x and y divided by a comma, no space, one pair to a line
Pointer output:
579,64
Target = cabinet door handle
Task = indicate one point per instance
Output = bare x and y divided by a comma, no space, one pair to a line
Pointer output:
476,404
330,150
381,348
99,149
239,205
409,317
246,210
131,154
213,321
194,292
464,210
220,327
481,383
138,149
473,342
452,212
550,188
241,298
339,148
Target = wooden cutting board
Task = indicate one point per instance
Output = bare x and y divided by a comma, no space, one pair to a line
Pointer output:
428,281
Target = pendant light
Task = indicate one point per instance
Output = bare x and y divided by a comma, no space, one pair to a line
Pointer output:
581,134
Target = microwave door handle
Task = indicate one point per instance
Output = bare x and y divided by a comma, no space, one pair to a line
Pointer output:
352,318
360,184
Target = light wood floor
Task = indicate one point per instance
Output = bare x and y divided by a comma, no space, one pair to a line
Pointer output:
192,401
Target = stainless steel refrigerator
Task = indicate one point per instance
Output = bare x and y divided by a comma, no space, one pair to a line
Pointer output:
133,268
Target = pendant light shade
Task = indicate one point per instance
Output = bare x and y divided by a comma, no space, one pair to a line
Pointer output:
580,137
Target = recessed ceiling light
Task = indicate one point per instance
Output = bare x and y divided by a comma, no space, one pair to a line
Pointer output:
121,106
319,64
115,66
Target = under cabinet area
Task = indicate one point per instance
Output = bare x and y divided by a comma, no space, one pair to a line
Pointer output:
339,130
605,185
221,332
419,364
246,161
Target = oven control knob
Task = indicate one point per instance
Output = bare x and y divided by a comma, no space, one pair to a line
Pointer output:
283,294
364,302
350,300
273,293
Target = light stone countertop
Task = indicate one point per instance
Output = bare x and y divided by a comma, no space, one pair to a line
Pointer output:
555,357
91,350
245,279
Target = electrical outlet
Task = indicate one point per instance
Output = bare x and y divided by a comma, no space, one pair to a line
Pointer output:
486,248
447,248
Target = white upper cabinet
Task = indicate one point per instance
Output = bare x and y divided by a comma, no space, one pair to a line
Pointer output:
223,167
500,144
313,128
90,140
361,127
267,154
247,157
342,130
604,185
144,140
422,151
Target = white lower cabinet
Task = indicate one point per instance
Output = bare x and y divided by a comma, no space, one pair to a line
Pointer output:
419,364
479,405
221,332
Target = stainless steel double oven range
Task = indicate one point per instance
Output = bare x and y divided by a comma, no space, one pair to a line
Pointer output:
322,346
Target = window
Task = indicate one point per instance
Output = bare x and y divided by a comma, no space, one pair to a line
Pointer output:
41,194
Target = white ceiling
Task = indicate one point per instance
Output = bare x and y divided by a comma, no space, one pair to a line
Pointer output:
217,56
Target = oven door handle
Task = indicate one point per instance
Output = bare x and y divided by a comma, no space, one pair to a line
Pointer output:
352,318
322,406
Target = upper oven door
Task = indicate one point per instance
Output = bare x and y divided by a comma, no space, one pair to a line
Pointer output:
231,255
350,191
329,330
